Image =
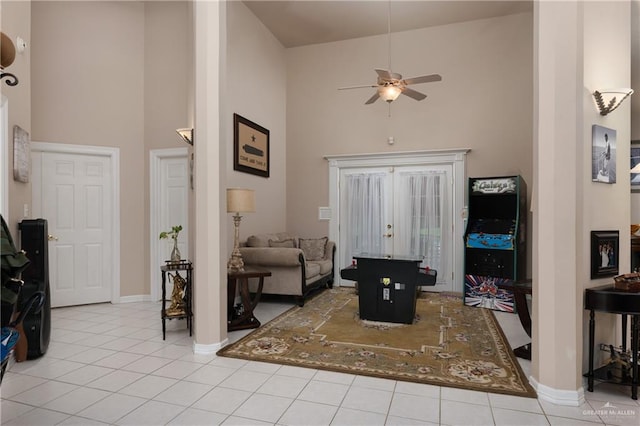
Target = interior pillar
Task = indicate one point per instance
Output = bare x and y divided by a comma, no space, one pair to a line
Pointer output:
210,290
557,310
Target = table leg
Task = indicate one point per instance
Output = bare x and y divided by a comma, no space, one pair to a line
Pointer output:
624,332
164,296
592,333
635,346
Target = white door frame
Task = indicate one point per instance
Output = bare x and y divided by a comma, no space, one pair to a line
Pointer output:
454,157
4,162
155,159
113,154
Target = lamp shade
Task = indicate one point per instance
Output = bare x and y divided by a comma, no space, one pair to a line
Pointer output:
240,200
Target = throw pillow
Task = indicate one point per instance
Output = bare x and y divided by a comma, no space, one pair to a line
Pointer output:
313,248
288,243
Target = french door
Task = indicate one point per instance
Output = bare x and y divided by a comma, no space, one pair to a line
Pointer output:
399,211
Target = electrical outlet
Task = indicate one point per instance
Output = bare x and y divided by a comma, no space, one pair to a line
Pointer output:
25,212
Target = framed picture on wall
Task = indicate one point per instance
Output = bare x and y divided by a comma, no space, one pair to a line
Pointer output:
604,253
250,147
635,166
603,160
21,155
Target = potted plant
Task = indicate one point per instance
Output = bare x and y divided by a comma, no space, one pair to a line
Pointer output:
173,234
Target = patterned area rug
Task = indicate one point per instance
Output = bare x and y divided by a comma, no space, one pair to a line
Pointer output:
448,344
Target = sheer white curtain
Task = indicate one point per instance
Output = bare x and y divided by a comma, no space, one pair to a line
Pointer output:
422,225
364,199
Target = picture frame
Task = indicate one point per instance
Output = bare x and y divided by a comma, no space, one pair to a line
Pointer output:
21,155
603,154
604,253
635,162
250,147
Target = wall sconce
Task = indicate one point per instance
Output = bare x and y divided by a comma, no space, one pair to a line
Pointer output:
186,135
238,201
7,56
614,96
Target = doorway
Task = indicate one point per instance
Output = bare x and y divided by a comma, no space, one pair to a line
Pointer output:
75,189
400,204
169,206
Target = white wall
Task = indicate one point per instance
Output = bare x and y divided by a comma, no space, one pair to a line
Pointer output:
484,102
255,87
635,98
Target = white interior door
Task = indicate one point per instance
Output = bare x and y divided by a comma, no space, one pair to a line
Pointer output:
169,207
75,192
399,211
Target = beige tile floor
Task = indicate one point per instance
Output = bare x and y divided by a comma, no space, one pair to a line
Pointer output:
108,364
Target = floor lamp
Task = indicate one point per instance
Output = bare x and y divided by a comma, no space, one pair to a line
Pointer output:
238,201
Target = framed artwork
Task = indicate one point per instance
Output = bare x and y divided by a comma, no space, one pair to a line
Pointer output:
250,147
603,160
604,253
635,166
21,154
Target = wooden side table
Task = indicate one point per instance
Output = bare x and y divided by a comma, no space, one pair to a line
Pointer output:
520,290
244,319
185,311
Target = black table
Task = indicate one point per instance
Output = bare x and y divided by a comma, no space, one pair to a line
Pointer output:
609,299
388,285
186,310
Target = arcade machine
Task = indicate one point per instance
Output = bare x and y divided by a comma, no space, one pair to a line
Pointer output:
495,241
34,240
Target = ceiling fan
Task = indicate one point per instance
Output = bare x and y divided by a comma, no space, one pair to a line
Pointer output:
389,84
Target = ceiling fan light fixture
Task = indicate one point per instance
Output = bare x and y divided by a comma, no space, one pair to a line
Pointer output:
389,93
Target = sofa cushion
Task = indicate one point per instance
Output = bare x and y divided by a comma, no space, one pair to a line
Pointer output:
288,243
325,266
312,269
313,248
262,240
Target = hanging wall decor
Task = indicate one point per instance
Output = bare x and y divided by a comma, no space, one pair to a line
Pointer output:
603,159
21,155
250,147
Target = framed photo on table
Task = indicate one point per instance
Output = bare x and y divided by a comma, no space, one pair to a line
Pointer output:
635,166
250,147
604,253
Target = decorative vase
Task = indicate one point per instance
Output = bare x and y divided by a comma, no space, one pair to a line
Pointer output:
175,253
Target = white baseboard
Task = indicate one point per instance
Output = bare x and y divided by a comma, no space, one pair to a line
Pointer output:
558,396
135,299
209,349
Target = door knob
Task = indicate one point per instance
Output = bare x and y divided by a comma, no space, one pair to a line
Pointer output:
389,235
52,238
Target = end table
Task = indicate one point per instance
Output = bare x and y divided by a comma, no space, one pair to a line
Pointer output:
245,318
181,299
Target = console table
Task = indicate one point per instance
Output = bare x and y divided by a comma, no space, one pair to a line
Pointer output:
181,301
609,299
244,318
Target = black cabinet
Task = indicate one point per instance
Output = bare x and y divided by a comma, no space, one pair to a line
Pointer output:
388,286
34,240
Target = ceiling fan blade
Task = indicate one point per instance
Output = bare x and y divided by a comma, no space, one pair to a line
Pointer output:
357,87
372,99
413,94
423,79
384,74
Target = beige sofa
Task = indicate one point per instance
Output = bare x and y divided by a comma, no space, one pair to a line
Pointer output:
298,265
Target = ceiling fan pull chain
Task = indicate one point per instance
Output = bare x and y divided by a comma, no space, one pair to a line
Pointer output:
389,31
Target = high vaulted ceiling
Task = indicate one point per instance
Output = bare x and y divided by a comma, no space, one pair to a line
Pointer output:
302,22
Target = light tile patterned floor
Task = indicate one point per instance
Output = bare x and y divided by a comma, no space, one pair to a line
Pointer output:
108,364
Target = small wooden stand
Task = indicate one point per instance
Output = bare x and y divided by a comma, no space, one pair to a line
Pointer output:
244,319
